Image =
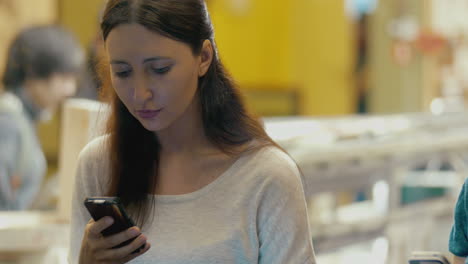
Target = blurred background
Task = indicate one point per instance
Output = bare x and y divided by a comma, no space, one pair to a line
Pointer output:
368,96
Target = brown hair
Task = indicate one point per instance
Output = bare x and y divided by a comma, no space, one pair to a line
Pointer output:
134,151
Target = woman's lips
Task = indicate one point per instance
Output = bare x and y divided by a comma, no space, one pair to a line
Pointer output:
148,114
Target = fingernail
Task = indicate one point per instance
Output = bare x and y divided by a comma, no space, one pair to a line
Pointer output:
134,232
109,220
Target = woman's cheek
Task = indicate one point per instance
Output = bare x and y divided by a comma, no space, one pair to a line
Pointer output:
122,93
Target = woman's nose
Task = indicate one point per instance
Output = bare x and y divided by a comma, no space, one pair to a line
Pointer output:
142,91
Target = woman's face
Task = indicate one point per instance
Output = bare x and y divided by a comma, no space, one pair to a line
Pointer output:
154,76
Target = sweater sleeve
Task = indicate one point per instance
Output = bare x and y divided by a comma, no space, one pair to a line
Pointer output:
283,226
88,182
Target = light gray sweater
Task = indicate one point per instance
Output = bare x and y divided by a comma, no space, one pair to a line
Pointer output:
255,212
20,152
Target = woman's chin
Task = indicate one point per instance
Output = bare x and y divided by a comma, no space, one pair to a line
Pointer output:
151,126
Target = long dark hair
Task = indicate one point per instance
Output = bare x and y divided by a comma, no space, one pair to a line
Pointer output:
134,151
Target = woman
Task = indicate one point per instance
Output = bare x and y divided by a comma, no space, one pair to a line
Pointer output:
40,72
198,174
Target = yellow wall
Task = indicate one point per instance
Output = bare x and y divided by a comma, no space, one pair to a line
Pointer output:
82,17
300,44
254,43
323,57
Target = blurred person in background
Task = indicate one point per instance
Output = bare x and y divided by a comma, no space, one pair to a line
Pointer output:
40,72
458,242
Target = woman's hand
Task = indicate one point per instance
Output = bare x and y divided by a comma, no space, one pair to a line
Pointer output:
96,248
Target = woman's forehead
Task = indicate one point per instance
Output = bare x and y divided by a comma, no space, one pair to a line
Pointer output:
134,40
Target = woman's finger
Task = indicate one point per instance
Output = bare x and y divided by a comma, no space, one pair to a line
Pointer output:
119,238
97,227
122,252
135,255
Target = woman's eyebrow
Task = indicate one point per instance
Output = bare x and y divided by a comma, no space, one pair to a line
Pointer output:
117,62
157,58
151,59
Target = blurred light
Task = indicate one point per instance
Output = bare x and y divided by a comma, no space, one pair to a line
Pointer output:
240,7
380,193
404,28
437,106
379,251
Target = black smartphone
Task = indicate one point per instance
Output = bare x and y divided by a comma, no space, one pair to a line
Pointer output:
99,207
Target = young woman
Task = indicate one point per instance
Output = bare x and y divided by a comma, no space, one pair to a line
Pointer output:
40,72
199,175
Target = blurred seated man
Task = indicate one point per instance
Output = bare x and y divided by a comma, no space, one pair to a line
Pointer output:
40,72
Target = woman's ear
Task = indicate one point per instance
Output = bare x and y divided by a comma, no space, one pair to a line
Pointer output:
206,56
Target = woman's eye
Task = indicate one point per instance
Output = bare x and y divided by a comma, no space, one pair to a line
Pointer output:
122,74
161,70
